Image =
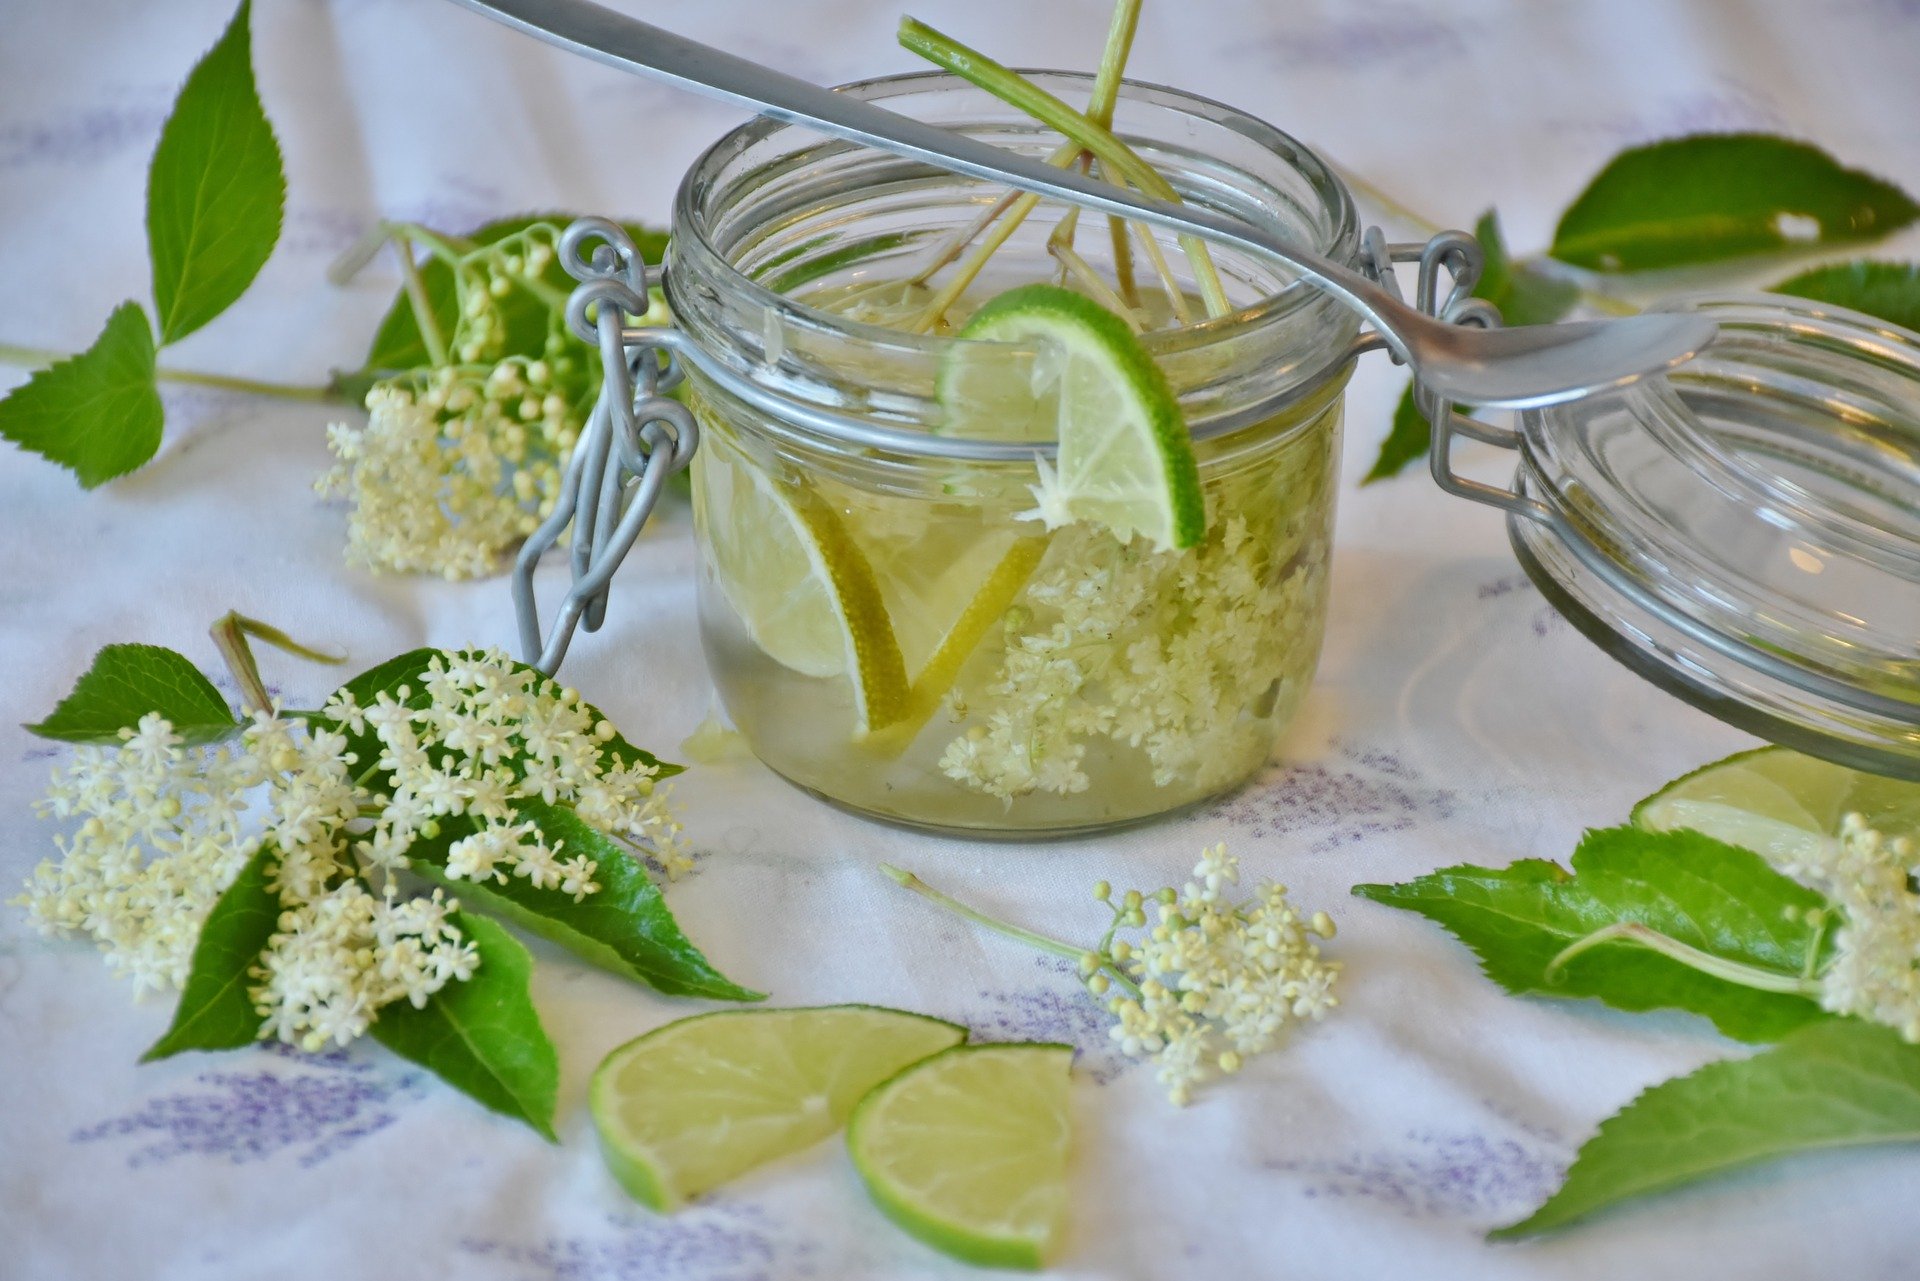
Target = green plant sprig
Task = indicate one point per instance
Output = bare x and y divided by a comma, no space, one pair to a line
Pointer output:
480,1032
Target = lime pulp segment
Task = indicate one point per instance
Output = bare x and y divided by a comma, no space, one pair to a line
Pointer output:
1780,803
1125,460
698,1102
967,1151
800,584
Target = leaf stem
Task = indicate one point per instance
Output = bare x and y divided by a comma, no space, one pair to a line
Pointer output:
1116,157
1039,942
430,336
34,357
1691,957
230,635
1017,205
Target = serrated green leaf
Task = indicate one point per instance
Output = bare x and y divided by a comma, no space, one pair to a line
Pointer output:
97,414
1708,197
216,1010
409,668
1707,894
215,189
482,1035
128,681
398,345
1524,294
1837,1084
1410,438
624,927
1888,290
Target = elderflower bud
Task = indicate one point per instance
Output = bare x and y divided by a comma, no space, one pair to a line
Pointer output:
455,467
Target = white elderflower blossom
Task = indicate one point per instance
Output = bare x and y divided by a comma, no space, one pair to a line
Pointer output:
159,835
1214,981
340,956
1185,655
446,477
161,829
1875,969
1208,984
460,461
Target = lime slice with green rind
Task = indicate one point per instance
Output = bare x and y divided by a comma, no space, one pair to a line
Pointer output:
799,583
693,1104
967,1151
985,611
1042,362
1780,803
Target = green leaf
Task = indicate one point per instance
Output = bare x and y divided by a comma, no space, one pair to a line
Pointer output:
408,670
397,344
1411,437
483,1035
1707,197
1888,290
98,413
215,190
1707,894
128,681
1524,294
216,1009
1837,1084
624,927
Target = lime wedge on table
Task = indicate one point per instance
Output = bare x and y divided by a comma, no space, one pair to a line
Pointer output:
800,584
1125,459
968,1151
688,1106
1780,803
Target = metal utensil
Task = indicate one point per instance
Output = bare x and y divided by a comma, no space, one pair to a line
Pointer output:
1528,365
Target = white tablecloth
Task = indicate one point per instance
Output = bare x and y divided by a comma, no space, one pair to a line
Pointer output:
1455,717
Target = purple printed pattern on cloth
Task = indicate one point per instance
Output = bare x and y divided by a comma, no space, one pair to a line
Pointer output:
1360,792
714,1241
316,1104
1450,1174
1062,1011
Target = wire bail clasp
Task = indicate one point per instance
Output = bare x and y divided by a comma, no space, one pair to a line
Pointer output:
1461,259
636,437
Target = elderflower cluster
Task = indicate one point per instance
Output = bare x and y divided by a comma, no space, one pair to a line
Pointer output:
458,463
1187,656
484,732
161,828
1875,969
1213,981
447,476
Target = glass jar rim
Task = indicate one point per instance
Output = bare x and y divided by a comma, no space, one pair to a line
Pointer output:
693,241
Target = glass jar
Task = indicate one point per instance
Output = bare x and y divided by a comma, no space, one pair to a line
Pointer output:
1745,529
884,627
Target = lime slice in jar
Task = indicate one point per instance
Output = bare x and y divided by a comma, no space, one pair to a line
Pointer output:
1125,460
987,609
1780,803
799,583
967,1151
693,1104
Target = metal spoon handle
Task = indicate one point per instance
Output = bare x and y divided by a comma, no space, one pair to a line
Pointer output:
632,45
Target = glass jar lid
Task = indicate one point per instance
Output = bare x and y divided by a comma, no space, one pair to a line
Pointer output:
1745,530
